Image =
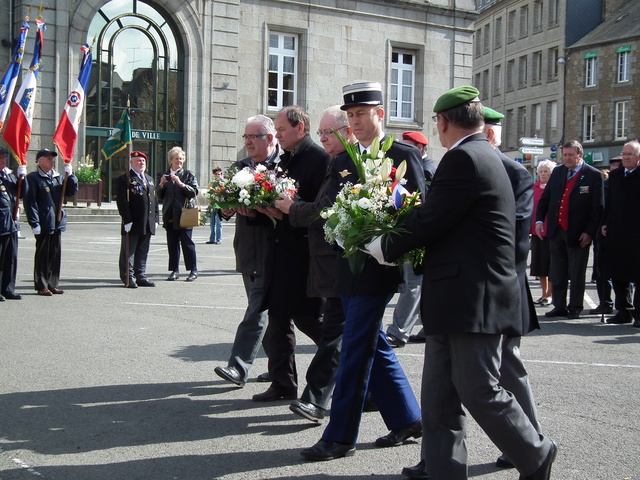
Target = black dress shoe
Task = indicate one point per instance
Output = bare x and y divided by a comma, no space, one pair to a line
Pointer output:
11,296
131,285
600,309
544,471
417,338
573,313
324,450
307,410
394,342
636,323
1,298
417,471
556,312
173,276
400,435
230,374
503,462
272,394
143,282
192,276
264,377
623,316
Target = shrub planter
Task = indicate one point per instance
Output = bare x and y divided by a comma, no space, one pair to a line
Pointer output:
88,192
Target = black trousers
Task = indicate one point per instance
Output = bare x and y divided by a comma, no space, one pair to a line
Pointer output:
323,369
8,262
175,238
281,339
567,264
46,267
136,264
624,300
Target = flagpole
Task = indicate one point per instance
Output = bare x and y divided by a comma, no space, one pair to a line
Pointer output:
126,234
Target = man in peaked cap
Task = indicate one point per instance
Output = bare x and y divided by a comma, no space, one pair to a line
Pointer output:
138,207
367,361
469,202
41,206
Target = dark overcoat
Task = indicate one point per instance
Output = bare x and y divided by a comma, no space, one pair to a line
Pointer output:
289,263
467,226
522,185
622,218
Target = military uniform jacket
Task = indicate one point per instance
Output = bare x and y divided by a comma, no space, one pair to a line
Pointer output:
8,193
375,279
622,218
586,203
467,226
173,196
137,203
43,198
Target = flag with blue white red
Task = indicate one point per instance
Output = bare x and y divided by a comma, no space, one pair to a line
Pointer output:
67,132
10,78
398,194
17,133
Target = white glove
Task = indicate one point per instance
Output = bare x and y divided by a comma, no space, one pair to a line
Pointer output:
22,170
68,169
36,230
375,250
127,227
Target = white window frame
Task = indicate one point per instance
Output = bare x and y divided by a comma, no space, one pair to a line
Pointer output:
281,54
553,114
588,123
402,92
624,66
590,71
621,120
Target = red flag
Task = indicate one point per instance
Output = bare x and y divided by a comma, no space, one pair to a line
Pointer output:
67,131
17,133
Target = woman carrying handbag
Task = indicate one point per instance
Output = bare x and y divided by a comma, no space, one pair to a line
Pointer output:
178,187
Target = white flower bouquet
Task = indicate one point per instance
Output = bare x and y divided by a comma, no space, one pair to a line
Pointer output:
250,187
374,206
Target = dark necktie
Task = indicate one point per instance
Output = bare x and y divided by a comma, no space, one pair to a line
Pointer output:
571,174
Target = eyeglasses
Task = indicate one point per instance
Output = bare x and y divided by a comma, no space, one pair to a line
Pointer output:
253,137
435,119
328,131
628,154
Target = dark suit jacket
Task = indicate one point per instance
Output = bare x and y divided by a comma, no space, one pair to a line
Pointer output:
375,279
467,226
140,207
522,185
586,203
622,218
173,197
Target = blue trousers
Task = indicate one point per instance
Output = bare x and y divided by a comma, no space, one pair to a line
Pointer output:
367,362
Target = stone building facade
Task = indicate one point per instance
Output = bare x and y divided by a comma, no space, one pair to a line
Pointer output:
195,70
519,63
603,85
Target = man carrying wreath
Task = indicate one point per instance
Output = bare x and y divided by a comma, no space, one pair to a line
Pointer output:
367,361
